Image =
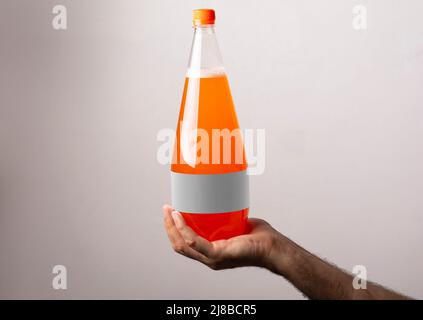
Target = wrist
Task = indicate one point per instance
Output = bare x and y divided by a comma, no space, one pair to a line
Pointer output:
277,254
281,254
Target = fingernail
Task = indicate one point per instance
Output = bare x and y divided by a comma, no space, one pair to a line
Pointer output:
177,218
166,207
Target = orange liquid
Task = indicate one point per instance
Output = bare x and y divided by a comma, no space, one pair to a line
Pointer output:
207,104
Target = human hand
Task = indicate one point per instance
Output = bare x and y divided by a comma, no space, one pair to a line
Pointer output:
253,249
264,247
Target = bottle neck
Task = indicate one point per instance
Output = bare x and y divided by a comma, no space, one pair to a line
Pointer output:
205,58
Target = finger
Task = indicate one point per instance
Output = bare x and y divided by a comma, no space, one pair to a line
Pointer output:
178,242
191,238
171,230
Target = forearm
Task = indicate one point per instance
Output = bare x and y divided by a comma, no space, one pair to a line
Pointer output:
318,279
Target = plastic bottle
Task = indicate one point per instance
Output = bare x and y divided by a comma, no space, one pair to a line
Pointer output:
208,173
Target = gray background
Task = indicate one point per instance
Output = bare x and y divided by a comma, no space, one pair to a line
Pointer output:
80,109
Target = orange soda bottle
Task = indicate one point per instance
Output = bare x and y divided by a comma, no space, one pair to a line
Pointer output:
209,179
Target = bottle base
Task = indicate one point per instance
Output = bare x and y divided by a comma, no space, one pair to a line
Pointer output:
218,226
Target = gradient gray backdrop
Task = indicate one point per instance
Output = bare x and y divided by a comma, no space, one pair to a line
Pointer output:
80,109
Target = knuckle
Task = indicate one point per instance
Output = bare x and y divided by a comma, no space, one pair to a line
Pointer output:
191,243
214,265
179,248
